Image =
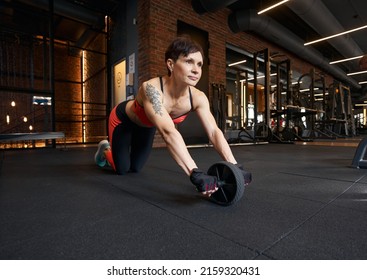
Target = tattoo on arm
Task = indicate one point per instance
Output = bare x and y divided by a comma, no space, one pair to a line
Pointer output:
153,95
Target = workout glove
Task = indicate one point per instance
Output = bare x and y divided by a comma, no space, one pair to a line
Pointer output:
204,183
247,176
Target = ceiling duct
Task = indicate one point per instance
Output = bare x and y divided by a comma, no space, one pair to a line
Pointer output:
68,10
318,16
203,6
248,20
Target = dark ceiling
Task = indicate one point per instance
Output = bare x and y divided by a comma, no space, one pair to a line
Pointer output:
77,21
308,20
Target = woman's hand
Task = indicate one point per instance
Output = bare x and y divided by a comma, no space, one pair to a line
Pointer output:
204,183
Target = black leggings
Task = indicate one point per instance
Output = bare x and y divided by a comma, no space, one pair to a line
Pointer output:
130,144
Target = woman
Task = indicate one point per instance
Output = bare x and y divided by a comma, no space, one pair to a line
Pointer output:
161,103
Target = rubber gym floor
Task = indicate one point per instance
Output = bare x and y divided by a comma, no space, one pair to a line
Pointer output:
305,203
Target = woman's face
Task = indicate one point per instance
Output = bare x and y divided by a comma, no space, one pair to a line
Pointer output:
189,68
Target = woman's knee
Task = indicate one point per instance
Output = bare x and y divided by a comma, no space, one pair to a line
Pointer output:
121,170
121,173
132,169
136,167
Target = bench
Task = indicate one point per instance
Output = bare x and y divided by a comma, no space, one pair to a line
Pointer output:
11,137
359,160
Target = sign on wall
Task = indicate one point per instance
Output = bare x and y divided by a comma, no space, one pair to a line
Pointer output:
119,82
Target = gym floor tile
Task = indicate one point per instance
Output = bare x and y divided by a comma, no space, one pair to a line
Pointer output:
333,233
305,202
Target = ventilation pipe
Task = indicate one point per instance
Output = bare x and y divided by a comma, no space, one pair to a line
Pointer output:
316,15
202,6
248,20
68,10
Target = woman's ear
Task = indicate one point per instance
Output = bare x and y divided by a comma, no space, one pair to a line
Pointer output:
170,64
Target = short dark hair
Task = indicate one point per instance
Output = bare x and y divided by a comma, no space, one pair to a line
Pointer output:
182,45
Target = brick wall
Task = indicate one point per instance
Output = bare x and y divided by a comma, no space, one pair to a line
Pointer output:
69,108
157,26
68,93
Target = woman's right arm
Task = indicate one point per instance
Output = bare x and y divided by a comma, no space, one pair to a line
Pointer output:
158,115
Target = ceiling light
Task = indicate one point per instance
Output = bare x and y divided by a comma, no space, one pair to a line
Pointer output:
335,35
271,7
347,59
307,89
236,63
260,77
361,83
357,73
321,94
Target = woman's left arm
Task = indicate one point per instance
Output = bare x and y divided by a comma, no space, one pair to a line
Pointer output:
215,135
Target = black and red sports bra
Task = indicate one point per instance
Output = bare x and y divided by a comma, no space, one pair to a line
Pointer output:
140,112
